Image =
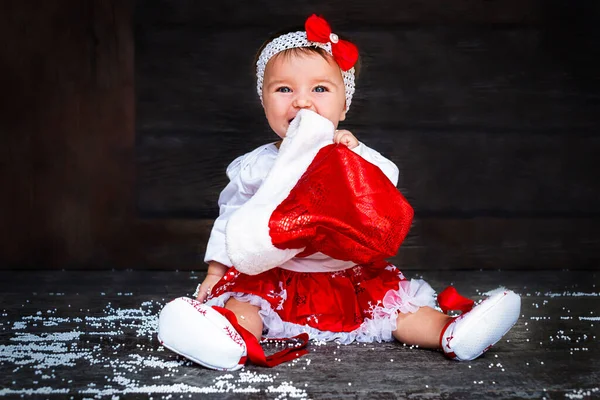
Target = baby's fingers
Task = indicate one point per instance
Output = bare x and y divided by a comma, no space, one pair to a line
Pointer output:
201,297
346,138
339,135
202,292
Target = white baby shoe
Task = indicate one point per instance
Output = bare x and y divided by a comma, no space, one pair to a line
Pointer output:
474,332
201,334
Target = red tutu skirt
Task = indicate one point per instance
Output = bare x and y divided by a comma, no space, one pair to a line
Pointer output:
332,302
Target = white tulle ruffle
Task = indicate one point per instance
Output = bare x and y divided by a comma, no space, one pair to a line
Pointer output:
409,297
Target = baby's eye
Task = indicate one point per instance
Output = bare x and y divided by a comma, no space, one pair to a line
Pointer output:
284,89
320,89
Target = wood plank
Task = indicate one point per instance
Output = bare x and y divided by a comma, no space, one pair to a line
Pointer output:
68,129
432,243
103,326
417,76
339,12
501,243
442,173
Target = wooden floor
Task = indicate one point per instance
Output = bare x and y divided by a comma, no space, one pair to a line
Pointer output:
91,334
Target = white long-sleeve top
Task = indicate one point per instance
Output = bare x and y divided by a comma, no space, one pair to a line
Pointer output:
246,174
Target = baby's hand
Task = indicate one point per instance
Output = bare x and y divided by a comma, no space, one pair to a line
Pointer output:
204,290
345,137
215,273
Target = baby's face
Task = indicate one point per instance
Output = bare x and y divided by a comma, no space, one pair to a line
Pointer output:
296,81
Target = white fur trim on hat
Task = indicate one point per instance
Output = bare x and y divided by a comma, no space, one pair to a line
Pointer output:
293,40
249,245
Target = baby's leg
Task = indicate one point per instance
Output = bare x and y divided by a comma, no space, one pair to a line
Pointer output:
422,328
465,337
247,316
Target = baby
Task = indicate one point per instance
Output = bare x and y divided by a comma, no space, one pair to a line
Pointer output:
261,283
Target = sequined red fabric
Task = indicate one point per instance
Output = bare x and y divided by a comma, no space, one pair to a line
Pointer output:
329,301
345,207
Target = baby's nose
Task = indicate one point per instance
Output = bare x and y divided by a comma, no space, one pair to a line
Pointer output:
303,103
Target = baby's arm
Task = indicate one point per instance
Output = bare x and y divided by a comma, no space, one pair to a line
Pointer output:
241,187
374,157
346,137
230,199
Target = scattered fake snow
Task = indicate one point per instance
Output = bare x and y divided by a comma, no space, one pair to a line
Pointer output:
42,356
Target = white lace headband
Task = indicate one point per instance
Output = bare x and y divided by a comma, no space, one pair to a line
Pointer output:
293,40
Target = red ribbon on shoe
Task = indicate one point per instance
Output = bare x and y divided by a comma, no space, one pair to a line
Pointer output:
450,300
344,52
254,349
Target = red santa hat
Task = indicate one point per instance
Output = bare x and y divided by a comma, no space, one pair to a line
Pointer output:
318,197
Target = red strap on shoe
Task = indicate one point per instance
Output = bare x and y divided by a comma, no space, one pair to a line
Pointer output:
450,300
450,354
254,349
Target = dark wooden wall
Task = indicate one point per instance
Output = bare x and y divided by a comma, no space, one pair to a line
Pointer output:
67,132
490,109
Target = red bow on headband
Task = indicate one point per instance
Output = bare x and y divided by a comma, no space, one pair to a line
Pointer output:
344,52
